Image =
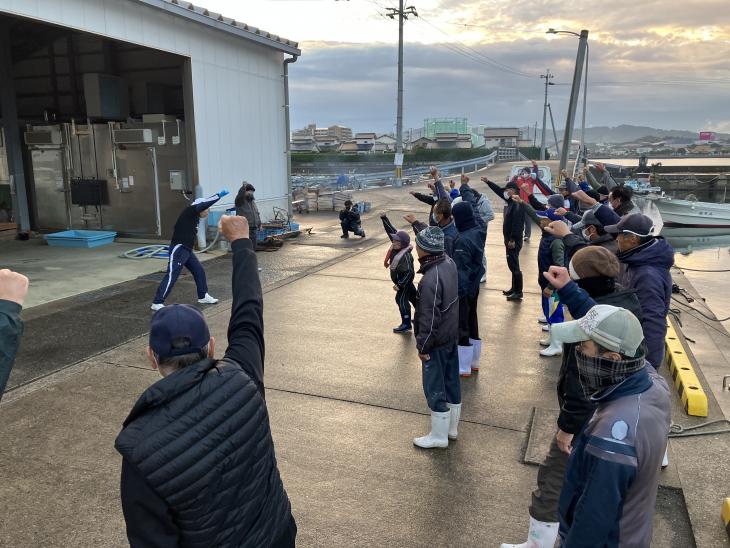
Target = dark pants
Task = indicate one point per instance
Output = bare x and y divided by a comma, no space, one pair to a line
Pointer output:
181,256
441,383
468,321
253,234
353,227
513,263
550,477
528,226
288,538
404,297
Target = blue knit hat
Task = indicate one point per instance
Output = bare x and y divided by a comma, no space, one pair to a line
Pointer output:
454,193
431,240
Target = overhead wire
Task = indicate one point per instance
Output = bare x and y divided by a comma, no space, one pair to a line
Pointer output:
477,55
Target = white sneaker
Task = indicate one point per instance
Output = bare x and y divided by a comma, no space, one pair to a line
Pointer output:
665,460
483,280
542,535
454,416
208,299
541,319
545,341
439,435
546,327
156,307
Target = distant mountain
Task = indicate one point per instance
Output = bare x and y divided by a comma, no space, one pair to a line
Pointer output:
627,133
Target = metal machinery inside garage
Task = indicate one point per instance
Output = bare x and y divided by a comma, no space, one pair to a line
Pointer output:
101,125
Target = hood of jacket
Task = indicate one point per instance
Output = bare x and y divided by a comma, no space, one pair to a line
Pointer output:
656,252
463,214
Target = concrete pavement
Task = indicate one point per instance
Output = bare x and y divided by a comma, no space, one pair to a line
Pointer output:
345,400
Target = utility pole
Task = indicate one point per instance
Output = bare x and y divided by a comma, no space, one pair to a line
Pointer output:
547,77
402,13
555,134
574,94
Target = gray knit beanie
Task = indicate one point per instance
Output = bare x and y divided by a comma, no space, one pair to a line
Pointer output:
556,201
431,239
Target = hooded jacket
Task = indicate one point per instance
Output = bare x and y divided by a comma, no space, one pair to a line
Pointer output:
575,408
436,321
468,249
610,487
404,272
646,269
198,465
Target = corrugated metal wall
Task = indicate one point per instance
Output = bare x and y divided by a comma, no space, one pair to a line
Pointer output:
238,94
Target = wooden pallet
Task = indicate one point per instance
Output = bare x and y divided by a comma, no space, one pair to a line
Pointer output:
8,231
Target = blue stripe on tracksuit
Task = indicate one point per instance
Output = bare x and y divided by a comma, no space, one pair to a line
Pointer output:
181,256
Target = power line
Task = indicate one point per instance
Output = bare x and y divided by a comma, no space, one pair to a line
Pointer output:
479,55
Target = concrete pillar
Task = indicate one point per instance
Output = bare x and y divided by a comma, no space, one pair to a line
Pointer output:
9,109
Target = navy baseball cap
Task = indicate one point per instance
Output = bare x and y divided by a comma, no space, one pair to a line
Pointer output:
637,224
178,321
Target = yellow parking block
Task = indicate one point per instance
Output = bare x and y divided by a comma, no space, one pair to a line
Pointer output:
686,382
726,515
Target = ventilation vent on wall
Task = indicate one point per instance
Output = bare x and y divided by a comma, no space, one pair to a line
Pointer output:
132,136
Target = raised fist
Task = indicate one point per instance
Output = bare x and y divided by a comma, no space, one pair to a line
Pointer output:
233,227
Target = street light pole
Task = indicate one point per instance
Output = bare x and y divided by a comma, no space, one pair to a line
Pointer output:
585,100
574,94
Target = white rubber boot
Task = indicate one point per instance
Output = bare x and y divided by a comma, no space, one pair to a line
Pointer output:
454,416
439,435
555,349
476,345
665,460
542,535
466,356
156,306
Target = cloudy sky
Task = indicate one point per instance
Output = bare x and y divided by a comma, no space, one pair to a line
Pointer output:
661,63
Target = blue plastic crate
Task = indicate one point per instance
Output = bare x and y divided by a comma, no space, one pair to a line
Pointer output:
80,238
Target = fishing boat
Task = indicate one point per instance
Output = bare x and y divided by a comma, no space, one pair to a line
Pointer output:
687,240
690,212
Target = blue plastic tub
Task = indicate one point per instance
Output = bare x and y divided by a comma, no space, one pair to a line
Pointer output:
80,238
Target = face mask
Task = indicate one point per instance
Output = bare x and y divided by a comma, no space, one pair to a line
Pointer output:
249,195
586,235
597,373
533,176
507,195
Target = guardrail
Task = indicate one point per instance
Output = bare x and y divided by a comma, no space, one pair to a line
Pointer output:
475,163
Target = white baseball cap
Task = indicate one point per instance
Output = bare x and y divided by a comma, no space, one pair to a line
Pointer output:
613,328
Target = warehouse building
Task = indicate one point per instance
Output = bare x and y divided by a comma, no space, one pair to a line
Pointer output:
115,113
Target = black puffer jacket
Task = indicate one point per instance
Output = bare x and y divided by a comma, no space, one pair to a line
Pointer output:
575,408
199,468
436,322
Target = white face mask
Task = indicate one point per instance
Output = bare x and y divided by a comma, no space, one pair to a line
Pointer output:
586,235
507,195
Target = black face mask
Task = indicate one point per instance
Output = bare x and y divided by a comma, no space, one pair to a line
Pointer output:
597,286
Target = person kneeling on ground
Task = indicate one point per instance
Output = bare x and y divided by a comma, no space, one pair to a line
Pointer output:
610,488
437,333
350,221
593,271
198,462
400,262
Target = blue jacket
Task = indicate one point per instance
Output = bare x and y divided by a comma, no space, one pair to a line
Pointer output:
450,234
610,487
468,249
646,269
